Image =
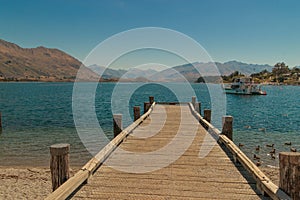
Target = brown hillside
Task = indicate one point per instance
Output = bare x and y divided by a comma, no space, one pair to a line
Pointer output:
37,63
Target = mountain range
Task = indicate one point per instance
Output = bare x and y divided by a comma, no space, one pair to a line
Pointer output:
43,64
46,64
190,72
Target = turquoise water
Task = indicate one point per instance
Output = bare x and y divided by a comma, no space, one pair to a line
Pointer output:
36,115
272,119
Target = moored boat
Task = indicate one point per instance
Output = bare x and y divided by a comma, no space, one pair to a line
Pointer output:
244,86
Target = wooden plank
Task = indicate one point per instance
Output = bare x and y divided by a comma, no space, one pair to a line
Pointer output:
168,193
108,195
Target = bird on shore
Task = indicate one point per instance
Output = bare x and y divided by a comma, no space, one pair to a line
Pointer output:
241,145
273,151
293,149
257,148
288,143
269,145
256,157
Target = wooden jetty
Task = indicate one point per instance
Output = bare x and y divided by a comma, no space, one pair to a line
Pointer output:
224,173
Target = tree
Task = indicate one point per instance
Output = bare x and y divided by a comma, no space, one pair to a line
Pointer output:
235,74
280,68
200,80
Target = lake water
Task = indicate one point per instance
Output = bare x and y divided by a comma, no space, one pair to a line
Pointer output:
36,115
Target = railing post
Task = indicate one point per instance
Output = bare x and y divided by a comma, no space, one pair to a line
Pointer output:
59,164
198,107
193,101
227,126
151,100
289,173
136,112
207,115
146,106
117,118
0,122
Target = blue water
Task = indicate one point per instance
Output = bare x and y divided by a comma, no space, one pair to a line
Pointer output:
36,115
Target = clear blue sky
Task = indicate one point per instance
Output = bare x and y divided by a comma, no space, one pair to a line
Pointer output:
253,31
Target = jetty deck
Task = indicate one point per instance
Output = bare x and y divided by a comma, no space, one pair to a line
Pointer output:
169,153
189,177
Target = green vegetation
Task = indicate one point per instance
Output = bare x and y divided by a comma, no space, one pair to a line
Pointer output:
209,79
281,74
229,79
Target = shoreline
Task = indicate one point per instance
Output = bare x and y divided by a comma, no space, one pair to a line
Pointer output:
116,81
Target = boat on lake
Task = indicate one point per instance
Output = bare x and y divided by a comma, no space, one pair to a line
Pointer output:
244,86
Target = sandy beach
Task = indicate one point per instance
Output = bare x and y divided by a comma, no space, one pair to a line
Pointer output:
35,182
26,182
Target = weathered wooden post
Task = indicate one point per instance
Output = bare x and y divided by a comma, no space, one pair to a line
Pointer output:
193,101
117,118
136,112
289,173
227,126
59,164
198,107
207,115
146,106
0,122
151,100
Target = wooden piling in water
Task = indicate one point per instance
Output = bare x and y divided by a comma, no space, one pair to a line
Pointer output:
59,164
151,100
146,106
136,112
0,120
198,107
194,101
289,173
117,118
207,115
227,126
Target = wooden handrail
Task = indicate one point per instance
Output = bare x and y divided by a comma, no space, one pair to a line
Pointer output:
71,185
263,182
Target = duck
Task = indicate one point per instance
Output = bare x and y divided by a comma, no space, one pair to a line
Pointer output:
258,163
293,149
257,148
288,143
262,129
269,145
256,157
273,151
241,145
